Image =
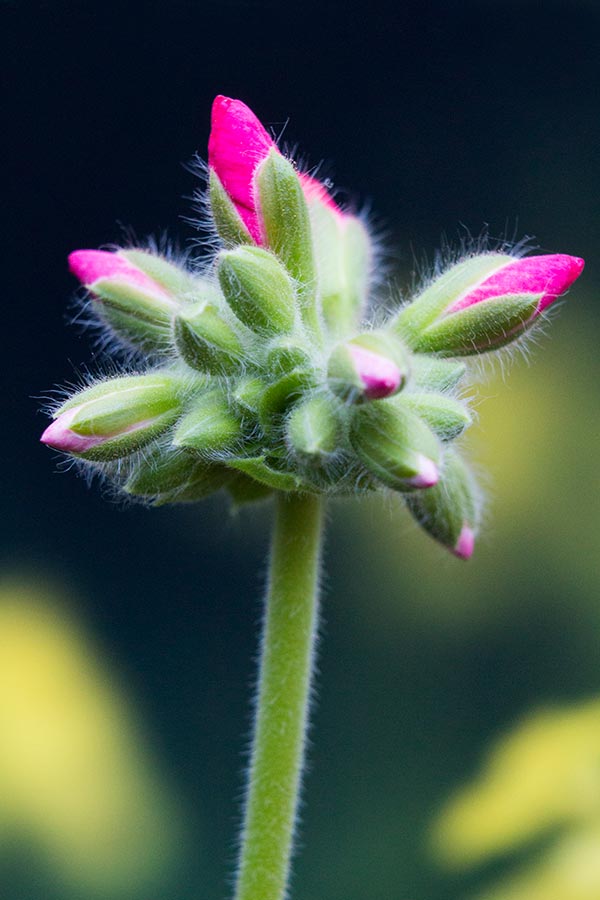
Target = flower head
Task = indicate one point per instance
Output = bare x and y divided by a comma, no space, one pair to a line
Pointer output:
264,373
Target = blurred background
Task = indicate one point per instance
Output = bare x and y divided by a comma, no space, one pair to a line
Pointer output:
128,637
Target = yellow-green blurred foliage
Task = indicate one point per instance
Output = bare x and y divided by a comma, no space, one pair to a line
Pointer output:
543,775
74,780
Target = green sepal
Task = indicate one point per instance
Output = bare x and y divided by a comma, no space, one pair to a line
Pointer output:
278,397
247,394
170,276
228,223
285,354
443,292
150,337
479,328
244,490
258,468
206,341
313,428
170,476
446,508
287,227
133,301
258,289
433,374
390,441
343,261
210,427
446,416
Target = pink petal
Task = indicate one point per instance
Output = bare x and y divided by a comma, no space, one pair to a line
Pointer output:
90,266
427,475
550,275
314,190
465,544
238,143
380,376
59,435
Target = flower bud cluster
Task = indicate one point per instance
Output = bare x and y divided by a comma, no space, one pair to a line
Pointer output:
265,374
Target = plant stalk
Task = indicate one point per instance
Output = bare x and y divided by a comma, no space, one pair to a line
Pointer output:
286,666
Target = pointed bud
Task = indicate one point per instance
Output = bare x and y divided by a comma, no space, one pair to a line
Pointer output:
313,429
287,228
258,289
206,341
117,417
343,258
371,366
449,512
238,144
430,373
139,307
396,446
486,302
446,416
174,476
209,427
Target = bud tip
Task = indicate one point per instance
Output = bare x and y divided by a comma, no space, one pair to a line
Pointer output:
427,475
465,544
59,436
380,376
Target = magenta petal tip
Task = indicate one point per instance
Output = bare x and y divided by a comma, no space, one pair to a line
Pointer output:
465,544
380,376
428,474
59,436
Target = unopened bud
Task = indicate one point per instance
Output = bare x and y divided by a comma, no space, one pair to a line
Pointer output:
137,306
209,427
486,302
369,367
258,289
396,446
343,258
313,428
286,224
116,417
446,416
206,341
449,511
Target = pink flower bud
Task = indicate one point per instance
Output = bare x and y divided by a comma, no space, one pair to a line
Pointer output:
428,473
91,266
379,375
465,544
238,144
549,275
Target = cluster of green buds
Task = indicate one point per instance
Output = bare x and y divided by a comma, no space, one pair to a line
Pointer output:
263,371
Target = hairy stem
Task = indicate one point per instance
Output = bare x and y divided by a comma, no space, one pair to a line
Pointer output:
286,666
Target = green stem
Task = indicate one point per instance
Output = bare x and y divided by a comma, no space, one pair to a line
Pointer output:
283,697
